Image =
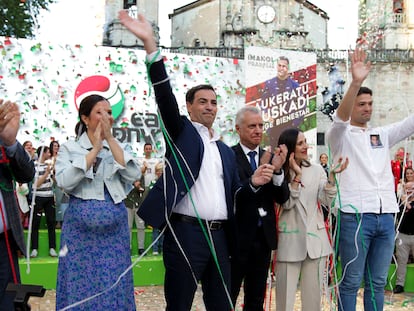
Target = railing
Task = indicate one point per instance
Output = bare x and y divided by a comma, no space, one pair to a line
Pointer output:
392,55
207,51
398,18
375,55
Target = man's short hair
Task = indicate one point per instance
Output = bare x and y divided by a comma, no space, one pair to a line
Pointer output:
242,111
364,90
189,97
283,58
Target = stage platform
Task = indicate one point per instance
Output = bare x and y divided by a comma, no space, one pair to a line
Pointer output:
148,271
43,270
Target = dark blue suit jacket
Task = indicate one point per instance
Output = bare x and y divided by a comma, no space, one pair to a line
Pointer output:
21,168
184,145
247,212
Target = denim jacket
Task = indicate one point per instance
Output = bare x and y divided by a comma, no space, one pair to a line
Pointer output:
72,176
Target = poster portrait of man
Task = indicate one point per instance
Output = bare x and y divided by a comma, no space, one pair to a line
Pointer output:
282,84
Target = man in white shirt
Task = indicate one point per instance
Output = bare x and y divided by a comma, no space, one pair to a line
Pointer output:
148,164
196,193
367,199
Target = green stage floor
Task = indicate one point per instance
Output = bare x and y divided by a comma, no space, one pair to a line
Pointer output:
43,271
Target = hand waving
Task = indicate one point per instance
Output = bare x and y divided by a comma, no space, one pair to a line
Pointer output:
141,28
359,66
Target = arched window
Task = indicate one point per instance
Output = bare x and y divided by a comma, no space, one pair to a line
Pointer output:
197,43
129,3
398,6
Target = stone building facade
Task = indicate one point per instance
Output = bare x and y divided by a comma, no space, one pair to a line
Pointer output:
290,24
114,33
224,27
386,24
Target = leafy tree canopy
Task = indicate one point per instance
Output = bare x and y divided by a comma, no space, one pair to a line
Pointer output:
17,17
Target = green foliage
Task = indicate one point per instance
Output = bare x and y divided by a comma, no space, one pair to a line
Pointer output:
312,105
18,17
308,123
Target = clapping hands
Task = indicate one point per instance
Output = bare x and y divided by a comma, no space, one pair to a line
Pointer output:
9,122
278,159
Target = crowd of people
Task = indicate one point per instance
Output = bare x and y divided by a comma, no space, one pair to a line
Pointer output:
218,213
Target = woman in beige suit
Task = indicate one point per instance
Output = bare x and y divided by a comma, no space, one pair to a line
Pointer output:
303,245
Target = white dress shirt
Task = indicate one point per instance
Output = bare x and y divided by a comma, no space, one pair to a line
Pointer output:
207,193
367,185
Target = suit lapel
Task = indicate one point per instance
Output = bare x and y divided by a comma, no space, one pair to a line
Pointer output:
244,163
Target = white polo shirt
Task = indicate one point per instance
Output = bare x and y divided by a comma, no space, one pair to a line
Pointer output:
367,185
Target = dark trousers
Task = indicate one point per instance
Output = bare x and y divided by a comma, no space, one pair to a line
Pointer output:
252,266
44,204
180,285
6,275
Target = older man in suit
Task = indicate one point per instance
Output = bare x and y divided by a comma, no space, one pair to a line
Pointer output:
195,194
15,164
256,220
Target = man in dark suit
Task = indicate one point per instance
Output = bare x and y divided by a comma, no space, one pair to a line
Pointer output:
256,221
15,164
194,196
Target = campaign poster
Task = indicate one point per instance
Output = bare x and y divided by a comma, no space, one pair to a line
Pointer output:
282,84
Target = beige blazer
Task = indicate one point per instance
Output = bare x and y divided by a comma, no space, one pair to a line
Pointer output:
301,225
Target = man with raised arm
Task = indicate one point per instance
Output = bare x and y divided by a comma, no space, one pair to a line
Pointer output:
368,203
196,193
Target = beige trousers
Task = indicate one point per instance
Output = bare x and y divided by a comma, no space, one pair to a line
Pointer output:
310,275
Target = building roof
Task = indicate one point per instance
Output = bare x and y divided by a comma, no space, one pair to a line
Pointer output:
197,3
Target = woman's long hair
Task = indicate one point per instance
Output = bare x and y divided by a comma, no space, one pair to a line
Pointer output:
289,137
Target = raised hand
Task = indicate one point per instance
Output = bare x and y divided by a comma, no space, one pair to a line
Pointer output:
360,68
279,157
106,123
294,165
340,166
265,157
141,28
9,122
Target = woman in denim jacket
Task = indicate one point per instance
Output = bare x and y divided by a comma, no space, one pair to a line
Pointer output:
97,172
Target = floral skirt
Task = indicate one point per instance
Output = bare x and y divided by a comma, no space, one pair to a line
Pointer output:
94,253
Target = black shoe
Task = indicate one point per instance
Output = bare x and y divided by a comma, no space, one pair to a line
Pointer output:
398,289
140,251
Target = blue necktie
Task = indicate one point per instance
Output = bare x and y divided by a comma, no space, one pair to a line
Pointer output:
252,156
